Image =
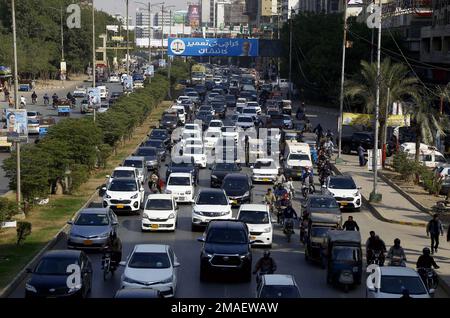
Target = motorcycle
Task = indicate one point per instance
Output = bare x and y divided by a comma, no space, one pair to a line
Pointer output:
397,261
288,228
307,189
429,277
377,258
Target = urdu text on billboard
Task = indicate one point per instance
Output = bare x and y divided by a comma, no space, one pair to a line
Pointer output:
213,47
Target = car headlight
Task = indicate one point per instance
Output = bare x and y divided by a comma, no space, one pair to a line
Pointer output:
103,235
168,191
208,255
171,215
167,280
30,288
214,177
267,230
108,196
145,216
244,255
130,280
246,194
135,196
224,213
188,192
198,212
356,194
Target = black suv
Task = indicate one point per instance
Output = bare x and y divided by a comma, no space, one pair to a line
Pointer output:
226,248
169,121
220,170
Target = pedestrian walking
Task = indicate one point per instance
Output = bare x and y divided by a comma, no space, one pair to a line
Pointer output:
434,228
362,160
350,225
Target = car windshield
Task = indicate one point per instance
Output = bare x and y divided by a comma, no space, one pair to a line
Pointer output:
322,202
92,219
215,124
179,181
264,164
226,236
212,198
123,174
226,167
133,163
346,253
158,134
396,284
235,184
229,129
254,217
249,111
149,260
146,152
273,291
319,231
123,185
245,120
154,143
341,183
169,118
54,265
159,204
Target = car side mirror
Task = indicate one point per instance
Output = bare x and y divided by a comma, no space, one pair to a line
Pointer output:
251,167
210,168
115,223
176,264
29,270
70,222
103,188
122,263
201,239
107,176
359,188
141,189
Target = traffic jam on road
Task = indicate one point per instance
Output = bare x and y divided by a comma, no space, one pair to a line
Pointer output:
232,195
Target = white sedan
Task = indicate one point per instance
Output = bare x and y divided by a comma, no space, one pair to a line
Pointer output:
151,266
264,170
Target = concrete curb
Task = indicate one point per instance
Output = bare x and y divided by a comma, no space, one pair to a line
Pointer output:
376,213
59,236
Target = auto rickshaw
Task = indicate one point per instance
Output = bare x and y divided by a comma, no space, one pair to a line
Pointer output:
64,106
316,236
344,258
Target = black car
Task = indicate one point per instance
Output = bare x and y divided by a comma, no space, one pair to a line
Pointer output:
161,134
169,121
159,145
220,170
226,248
182,164
49,277
230,100
151,156
201,89
250,95
238,188
219,109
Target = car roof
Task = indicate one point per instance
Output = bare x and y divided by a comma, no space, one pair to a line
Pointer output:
159,130
229,224
342,177
253,207
315,196
63,253
150,248
279,279
236,176
124,168
135,158
95,210
398,271
165,196
180,174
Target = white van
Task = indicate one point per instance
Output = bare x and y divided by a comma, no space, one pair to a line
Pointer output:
429,156
297,155
103,92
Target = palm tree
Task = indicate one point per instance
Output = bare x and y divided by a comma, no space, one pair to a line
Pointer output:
394,76
426,120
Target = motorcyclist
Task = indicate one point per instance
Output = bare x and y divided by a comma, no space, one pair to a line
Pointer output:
375,244
281,179
34,97
23,101
289,185
69,96
114,248
314,155
329,146
280,191
308,126
265,265
153,184
46,99
424,263
396,251
269,198
289,213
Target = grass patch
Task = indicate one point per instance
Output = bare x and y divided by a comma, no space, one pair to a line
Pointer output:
48,220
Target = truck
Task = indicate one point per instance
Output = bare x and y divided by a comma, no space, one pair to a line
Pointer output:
198,74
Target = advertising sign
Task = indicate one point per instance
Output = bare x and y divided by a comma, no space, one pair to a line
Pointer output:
213,47
150,70
94,96
128,83
179,17
17,125
370,159
352,119
194,15
117,38
266,8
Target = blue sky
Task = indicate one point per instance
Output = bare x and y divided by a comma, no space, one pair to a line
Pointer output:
119,6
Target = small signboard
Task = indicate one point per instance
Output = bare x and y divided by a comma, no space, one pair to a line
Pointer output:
17,125
370,159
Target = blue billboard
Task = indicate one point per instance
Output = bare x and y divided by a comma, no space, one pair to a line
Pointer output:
212,47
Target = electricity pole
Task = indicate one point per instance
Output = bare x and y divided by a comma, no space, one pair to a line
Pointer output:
93,52
290,55
128,45
341,98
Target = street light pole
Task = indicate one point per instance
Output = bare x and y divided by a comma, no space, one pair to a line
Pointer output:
162,31
128,46
93,52
16,103
374,196
290,55
341,98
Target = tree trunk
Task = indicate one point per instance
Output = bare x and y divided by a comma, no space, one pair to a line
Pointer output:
417,144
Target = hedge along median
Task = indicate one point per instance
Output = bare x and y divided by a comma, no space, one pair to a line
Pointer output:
82,150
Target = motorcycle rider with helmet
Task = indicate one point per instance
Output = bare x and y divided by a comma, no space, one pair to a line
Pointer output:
375,244
288,215
265,265
425,262
396,254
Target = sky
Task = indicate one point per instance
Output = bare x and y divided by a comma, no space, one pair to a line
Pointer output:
119,6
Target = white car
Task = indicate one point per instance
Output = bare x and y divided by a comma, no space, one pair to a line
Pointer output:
103,108
181,98
278,286
210,204
241,102
345,191
79,92
392,282
181,113
151,266
215,124
124,172
124,194
230,132
245,121
33,126
264,170
210,139
192,127
197,152
114,79
255,105
160,213
181,186
249,110
259,223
